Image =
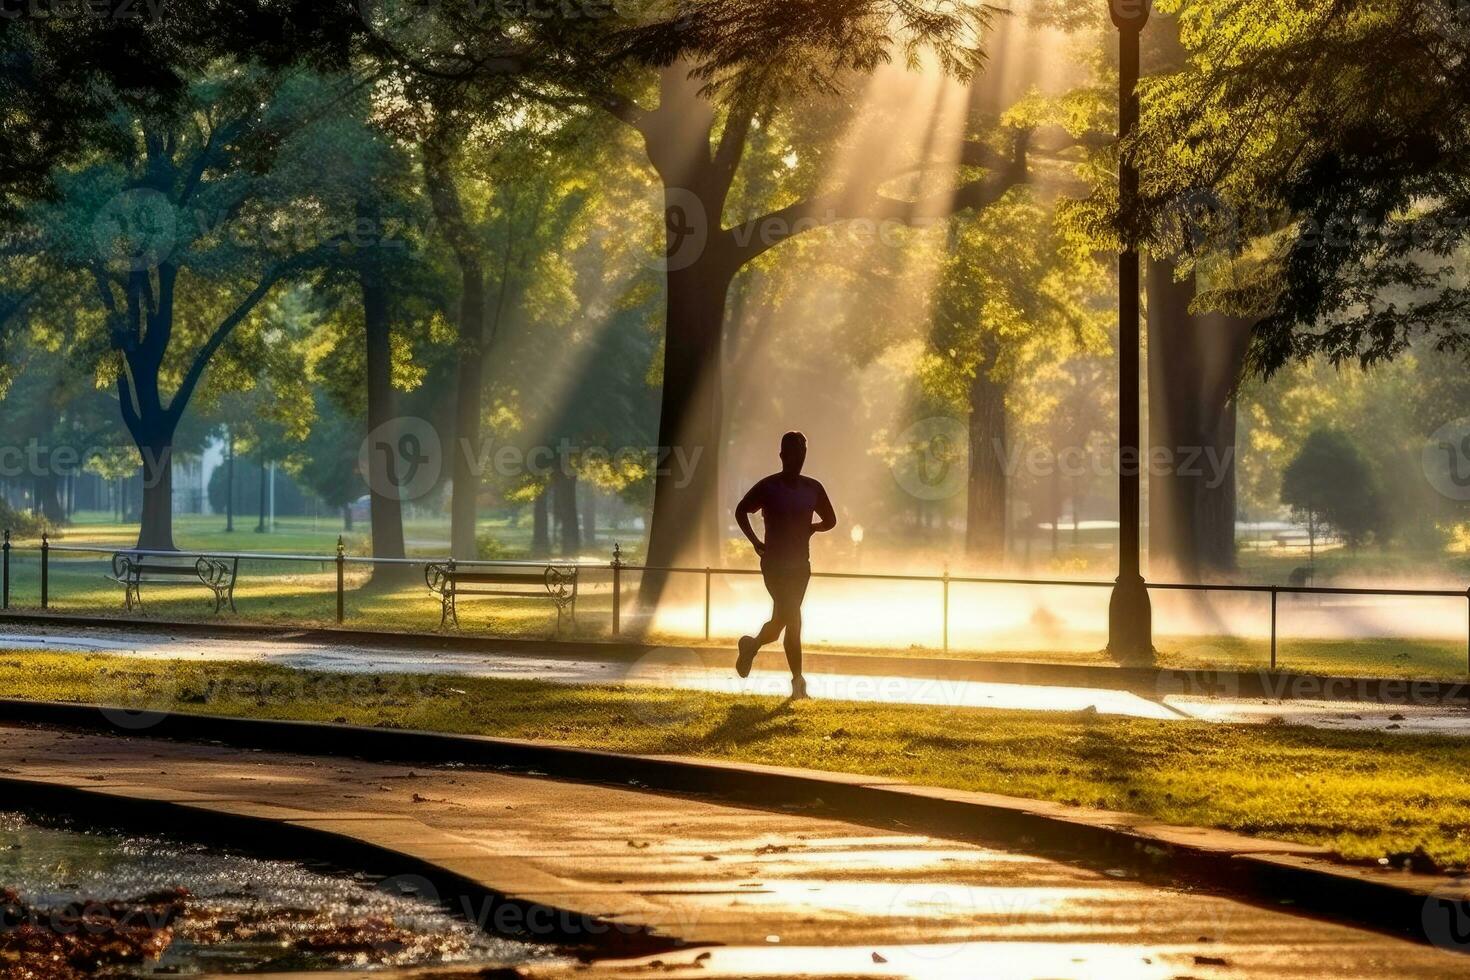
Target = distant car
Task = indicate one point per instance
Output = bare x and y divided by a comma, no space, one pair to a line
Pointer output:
361,508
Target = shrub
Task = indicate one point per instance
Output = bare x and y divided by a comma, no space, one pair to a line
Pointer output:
489,548
21,524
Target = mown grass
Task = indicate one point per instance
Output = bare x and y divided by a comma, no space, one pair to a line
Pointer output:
1365,795
305,595
300,534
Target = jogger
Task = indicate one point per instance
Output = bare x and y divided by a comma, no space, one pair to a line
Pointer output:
787,502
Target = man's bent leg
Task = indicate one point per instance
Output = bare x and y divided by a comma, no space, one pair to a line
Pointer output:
774,580
771,630
749,646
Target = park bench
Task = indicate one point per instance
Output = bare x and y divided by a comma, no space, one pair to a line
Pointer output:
217,574
451,582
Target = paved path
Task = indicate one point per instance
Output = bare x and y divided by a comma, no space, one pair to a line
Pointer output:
785,892
670,668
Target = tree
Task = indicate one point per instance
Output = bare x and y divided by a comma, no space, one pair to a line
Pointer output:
63,78
509,204
439,151
1196,350
378,294
53,414
696,148
177,231
1330,486
1195,361
1353,181
1015,294
722,78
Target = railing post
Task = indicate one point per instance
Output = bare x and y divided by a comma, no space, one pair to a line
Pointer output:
1273,629
45,570
706,601
617,598
5,587
341,569
946,609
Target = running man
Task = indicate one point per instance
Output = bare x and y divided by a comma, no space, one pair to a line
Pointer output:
787,501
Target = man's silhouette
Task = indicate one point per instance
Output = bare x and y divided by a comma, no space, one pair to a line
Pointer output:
787,502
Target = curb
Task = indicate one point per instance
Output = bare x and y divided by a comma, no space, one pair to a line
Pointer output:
1267,872
1145,681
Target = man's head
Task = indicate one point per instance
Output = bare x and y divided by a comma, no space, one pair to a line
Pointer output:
793,452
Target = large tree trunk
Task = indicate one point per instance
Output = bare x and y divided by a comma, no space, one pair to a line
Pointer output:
465,449
701,263
686,499
385,507
156,525
565,500
47,490
985,503
470,343
1193,365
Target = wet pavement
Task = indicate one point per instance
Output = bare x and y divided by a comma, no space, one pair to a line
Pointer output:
769,894
671,667
225,912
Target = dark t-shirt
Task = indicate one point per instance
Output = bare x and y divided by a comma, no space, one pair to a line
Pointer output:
787,507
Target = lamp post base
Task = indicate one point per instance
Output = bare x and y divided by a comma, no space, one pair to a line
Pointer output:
1130,622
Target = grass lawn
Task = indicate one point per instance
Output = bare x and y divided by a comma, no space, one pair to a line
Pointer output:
1365,795
304,595
302,535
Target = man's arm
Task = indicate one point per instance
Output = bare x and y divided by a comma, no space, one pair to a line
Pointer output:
748,505
824,511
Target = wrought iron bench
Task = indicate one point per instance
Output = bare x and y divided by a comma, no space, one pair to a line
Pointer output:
451,582
218,575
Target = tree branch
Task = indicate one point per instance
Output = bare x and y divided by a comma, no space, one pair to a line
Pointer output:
228,324
130,415
757,236
733,139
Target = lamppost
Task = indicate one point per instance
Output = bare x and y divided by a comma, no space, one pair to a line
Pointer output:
1130,618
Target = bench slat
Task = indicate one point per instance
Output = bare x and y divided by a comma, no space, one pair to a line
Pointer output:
501,578
543,594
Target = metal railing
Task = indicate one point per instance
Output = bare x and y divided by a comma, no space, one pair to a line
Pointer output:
618,568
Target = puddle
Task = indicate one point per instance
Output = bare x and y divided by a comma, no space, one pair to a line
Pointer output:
80,904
